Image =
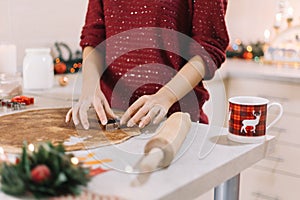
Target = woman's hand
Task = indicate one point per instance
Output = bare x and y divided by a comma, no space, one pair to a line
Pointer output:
79,111
154,107
91,94
149,108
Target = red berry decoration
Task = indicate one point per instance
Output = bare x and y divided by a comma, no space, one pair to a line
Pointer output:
248,55
60,68
40,173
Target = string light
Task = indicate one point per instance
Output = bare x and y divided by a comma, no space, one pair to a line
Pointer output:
72,70
3,156
74,161
57,60
267,35
31,147
249,48
1,151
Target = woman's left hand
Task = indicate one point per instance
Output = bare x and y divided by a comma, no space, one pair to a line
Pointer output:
149,108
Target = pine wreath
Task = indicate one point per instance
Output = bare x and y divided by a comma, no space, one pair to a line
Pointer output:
45,172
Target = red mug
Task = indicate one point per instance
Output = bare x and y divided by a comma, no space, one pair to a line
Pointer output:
247,118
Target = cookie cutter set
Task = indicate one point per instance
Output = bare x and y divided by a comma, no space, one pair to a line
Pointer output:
10,105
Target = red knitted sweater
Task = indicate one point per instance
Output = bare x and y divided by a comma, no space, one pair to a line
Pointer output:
141,60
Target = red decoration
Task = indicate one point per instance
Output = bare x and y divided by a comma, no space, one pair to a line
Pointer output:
17,161
23,99
60,68
96,171
40,173
247,55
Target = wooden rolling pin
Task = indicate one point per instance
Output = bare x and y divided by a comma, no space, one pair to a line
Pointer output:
163,147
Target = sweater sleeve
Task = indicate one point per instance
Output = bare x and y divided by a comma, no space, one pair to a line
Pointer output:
93,31
209,30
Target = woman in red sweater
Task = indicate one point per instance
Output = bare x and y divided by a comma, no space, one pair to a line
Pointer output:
146,65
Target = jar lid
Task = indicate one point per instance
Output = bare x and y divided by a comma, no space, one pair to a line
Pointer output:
37,50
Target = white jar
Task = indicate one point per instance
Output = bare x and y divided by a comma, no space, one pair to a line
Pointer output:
38,69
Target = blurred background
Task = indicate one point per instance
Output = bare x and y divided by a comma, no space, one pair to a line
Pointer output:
41,23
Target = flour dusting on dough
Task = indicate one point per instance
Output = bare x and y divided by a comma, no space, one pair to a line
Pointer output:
75,140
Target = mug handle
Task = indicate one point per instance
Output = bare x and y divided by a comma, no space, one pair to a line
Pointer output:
279,115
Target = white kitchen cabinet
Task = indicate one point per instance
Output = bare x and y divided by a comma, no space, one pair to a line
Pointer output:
278,176
258,183
283,160
286,130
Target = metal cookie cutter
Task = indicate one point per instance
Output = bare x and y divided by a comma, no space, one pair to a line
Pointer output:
18,106
114,124
12,105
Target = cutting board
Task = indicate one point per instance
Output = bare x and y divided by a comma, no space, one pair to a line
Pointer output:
43,125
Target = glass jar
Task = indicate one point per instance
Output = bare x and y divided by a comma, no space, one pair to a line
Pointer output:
10,85
38,69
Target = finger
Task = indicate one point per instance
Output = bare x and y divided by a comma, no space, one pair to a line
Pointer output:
145,121
160,115
68,116
75,111
83,116
142,112
109,112
101,114
149,117
131,110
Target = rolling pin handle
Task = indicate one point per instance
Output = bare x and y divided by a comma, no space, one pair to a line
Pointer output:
151,160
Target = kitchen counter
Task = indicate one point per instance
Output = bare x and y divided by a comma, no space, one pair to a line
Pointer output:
250,69
206,159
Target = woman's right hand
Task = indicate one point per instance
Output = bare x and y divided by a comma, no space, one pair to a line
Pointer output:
79,111
91,94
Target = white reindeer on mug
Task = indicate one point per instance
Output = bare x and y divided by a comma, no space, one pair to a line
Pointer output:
251,122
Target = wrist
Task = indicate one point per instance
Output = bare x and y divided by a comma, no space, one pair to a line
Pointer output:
167,94
197,63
